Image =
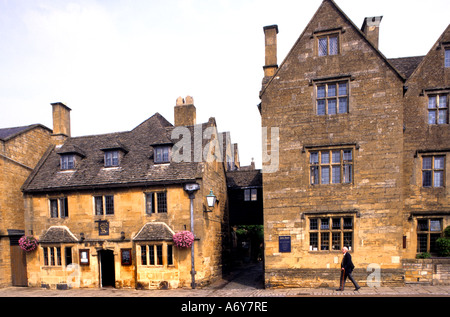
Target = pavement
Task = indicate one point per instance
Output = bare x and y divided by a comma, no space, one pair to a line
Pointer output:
246,282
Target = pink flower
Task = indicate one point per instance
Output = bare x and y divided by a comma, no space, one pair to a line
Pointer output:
183,239
27,243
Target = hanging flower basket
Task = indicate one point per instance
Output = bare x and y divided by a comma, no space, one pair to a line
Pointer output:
28,243
183,239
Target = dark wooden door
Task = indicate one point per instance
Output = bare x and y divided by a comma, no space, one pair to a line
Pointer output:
18,265
107,268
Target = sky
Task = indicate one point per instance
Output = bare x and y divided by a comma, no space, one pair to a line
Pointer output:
115,63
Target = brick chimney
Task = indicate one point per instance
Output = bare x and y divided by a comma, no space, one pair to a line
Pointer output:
61,122
271,65
185,112
371,28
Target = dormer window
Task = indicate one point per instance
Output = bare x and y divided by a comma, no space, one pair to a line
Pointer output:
70,155
67,162
162,154
113,153
112,158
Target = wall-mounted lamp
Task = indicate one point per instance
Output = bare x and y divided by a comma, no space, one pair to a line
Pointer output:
211,199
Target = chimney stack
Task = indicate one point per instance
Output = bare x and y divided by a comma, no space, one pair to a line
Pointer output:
271,65
61,122
371,28
185,112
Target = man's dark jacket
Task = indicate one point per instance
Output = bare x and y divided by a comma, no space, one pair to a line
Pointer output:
347,263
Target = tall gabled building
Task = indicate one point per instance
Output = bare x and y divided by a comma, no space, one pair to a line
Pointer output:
358,153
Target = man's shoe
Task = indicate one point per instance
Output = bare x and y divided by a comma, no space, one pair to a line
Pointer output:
357,288
339,290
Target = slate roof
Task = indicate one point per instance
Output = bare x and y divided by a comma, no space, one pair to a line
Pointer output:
136,165
244,178
58,234
154,231
406,65
9,133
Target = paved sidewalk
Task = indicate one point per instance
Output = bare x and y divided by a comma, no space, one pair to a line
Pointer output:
405,291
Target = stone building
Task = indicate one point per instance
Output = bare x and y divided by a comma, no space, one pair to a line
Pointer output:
21,148
363,153
105,207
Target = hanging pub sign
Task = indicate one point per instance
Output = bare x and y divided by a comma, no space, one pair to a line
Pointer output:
284,244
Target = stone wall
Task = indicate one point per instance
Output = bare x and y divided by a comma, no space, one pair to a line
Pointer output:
427,271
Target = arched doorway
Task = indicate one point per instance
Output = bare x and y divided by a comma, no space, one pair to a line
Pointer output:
107,274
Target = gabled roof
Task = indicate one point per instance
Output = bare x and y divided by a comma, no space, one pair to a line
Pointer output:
154,231
10,133
244,178
406,65
356,29
136,168
58,234
444,39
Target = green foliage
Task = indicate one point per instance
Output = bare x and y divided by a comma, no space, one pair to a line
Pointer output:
443,243
423,255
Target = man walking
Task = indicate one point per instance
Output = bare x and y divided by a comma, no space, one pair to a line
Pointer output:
346,270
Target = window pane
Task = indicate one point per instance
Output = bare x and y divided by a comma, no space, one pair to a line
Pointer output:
342,89
336,156
159,255
427,178
321,91
433,238
422,225
348,240
348,155
439,162
98,205
325,241
332,90
336,223
443,101
334,45
432,117
422,240
162,202
332,106
324,224
336,240
45,256
54,208
431,102
435,225
348,223
442,117
427,163
149,203
313,241
438,179
169,254
314,158
109,205
313,224
321,107
325,175
325,157
143,254
336,175
348,174
323,47
314,175
254,194
447,58
151,254
246,194
343,108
